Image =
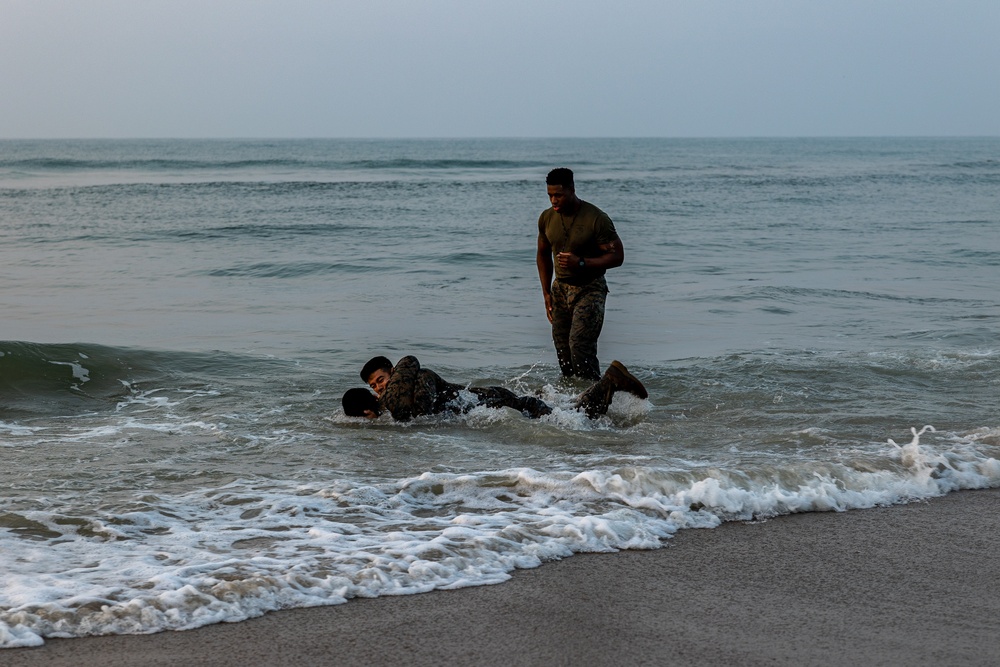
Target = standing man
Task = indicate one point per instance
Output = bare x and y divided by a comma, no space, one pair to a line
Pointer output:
577,242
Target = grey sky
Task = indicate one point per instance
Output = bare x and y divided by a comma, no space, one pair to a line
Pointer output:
498,68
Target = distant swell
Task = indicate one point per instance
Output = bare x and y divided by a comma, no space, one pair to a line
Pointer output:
292,270
163,164
64,164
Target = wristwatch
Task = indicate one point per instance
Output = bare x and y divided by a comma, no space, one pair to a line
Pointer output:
583,262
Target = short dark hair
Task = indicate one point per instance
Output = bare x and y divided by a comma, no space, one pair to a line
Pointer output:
561,176
357,400
375,364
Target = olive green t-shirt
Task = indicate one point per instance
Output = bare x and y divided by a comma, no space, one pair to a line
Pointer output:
580,234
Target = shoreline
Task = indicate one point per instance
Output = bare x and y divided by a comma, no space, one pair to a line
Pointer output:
908,585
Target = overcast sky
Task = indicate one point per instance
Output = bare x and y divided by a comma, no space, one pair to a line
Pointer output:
498,68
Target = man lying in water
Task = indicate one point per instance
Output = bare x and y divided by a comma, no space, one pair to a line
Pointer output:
406,390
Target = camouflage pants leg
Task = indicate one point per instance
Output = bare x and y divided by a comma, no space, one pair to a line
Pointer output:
498,397
577,320
596,400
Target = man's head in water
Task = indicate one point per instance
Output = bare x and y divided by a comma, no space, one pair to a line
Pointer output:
376,374
360,402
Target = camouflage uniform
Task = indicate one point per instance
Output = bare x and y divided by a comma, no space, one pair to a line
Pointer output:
409,393
413,391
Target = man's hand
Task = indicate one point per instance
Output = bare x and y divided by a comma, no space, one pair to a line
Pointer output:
548,305
568,260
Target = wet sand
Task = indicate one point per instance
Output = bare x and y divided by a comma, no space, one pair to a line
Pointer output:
910,585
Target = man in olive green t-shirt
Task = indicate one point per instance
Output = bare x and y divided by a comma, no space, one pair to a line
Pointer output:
577,243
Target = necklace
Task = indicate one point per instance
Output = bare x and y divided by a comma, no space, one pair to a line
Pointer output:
566,228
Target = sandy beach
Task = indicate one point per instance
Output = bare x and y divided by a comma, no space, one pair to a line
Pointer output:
907,585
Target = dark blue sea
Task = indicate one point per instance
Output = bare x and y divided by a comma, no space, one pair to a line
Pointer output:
817,322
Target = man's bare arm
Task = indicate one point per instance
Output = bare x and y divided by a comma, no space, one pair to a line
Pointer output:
543,259
613,256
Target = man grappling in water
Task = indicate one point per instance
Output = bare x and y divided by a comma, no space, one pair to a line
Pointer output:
406,391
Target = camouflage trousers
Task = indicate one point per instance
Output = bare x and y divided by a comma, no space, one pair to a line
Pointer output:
577,320
597,399
499,397
594,402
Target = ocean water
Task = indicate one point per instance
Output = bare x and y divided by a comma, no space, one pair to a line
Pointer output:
816,320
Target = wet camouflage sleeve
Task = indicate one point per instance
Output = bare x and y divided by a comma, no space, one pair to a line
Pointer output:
399,395
424,393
